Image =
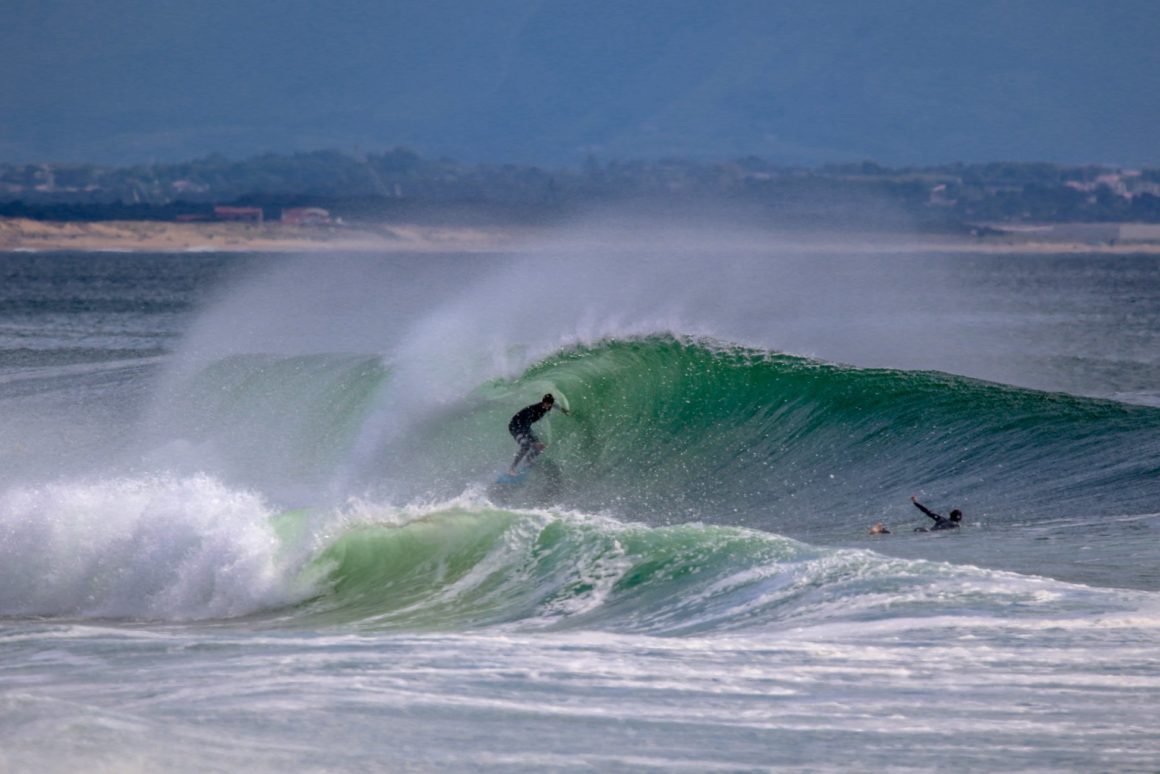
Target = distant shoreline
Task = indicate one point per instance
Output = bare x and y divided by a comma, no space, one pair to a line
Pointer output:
24,235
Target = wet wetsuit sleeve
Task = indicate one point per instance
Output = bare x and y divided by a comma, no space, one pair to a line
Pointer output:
927,511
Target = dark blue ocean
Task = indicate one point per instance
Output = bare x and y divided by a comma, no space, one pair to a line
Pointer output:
249,517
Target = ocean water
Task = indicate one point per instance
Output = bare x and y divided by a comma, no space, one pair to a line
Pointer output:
249,517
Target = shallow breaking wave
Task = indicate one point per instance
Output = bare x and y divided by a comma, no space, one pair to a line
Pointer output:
460,567
163,549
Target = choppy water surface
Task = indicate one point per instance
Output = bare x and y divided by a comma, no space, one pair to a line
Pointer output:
249,518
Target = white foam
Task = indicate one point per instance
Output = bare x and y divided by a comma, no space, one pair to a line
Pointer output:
159,548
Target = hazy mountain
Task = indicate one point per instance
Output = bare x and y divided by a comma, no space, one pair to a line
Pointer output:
898,81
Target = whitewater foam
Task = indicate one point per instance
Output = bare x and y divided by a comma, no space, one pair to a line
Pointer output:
155,548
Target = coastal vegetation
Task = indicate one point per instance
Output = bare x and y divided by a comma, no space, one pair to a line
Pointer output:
400,185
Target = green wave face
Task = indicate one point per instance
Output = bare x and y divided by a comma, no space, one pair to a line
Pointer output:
671,430
686,445
665,430
465,568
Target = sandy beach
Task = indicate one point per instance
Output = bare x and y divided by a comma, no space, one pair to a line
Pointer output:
24,235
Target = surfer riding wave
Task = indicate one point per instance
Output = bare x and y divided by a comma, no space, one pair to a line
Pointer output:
520,427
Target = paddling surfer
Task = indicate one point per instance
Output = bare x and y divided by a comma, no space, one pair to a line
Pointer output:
520,427
940,522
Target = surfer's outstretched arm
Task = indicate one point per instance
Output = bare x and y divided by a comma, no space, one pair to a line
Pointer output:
925,510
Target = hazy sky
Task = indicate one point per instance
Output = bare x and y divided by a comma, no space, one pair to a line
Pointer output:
552,81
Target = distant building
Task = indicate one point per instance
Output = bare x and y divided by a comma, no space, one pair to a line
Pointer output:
247,214
306,216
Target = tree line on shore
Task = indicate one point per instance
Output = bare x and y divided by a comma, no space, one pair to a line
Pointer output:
402,185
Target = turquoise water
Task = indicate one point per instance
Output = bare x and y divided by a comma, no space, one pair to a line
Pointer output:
248,515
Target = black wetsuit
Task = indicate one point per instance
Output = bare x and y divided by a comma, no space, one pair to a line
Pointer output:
940,521
521,429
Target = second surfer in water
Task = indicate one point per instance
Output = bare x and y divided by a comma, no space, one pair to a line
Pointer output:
940,521
520,427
